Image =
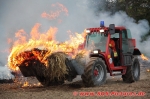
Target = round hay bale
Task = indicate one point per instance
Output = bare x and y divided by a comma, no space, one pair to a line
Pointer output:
56,67
50,72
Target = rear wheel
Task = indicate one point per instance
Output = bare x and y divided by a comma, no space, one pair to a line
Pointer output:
132,72
94,73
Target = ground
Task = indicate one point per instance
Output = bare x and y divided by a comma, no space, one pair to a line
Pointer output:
76,89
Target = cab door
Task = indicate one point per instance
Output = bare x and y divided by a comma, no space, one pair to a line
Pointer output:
126,55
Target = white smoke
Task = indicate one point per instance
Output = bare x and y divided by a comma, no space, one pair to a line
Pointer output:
24,14
5,73
120,18
137,29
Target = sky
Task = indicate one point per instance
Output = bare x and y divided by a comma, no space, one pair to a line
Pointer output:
24,14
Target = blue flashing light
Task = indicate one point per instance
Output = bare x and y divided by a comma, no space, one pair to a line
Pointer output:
101,23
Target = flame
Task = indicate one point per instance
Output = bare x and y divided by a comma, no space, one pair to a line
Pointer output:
26,84
59,8
17,68
144,57
37,45
148,70
41,41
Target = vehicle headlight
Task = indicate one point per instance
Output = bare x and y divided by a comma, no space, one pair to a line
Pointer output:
95,51
101,31
87,31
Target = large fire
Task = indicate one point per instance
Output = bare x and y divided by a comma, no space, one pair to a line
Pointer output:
40,45
44,41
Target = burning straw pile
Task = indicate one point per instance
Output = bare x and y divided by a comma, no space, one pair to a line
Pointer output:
43,58
34,63
56,66
49,68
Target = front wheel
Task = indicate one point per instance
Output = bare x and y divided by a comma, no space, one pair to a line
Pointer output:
95,72
132,72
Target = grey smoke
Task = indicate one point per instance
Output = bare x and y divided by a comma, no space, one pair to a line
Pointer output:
5,73
24,14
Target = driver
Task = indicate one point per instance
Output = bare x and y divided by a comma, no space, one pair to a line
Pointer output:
112,46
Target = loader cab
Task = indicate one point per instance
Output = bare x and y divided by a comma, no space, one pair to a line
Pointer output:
124,45
97,40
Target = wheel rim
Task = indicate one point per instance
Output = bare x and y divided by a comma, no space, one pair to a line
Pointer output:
136,70
98,72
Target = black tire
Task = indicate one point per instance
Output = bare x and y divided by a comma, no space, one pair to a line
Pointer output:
132,72
90,78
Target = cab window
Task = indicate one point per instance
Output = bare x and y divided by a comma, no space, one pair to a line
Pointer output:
124,34
129,34
116,35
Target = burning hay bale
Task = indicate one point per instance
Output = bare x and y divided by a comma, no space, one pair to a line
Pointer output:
48,70
31,63
55,70
45,59
56,66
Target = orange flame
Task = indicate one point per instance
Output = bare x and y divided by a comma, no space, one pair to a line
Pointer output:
55,14
17,68
26,84
39,45
144,57
21,35
44,41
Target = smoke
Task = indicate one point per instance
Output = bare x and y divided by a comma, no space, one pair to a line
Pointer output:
120,18
5,73
137,29
24,14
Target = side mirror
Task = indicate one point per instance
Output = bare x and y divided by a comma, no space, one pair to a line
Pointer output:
112,28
